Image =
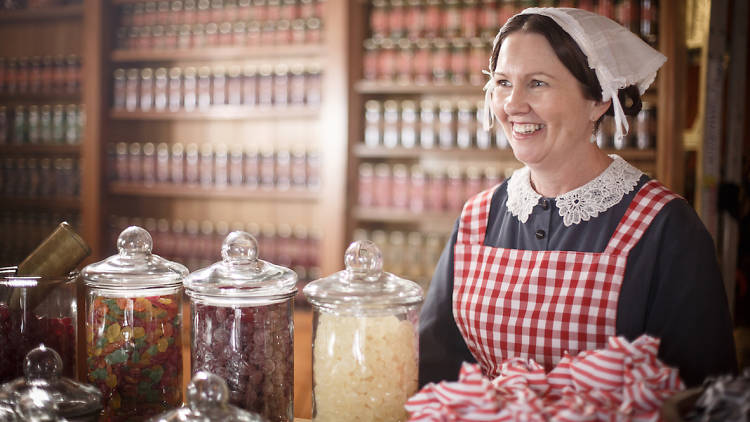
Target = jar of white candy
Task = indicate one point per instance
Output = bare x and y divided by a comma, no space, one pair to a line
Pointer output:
365,342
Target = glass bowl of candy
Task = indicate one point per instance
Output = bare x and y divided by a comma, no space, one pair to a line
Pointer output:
242,328
365,340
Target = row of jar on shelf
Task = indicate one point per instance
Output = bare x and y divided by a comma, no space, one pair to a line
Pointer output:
24,230
458,124
40,177
219,34
470,18
45,75
197,244
412,254
191,88
217,165
416,189
241,329
42,124
34,4
181,12
440,61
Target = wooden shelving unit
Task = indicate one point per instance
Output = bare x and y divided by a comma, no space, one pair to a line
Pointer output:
40,149
220,113
168,190
219,53
36,98
47,204
393,88
392,216
23,16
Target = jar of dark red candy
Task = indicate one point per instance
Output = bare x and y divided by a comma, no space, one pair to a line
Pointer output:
365,340
133,329
242,330
207,399
43,394
36,310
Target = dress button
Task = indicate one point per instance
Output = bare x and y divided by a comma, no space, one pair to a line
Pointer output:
545,204
540,234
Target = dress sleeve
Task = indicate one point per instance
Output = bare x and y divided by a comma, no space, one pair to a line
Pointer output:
441,347
675,274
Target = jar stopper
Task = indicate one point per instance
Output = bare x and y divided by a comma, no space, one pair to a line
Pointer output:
134,241
42,363
363,258
239,248
207,390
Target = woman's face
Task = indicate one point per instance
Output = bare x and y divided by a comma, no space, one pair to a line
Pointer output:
539,103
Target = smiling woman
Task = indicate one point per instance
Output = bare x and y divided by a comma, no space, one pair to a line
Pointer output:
577,246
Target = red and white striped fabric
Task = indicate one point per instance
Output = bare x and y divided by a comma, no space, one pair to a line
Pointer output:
632,387
511,303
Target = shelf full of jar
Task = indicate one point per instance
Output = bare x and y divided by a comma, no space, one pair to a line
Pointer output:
51,13
197,191
237,92
217,53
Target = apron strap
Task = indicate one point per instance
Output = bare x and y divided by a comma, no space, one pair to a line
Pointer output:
472,224
649,200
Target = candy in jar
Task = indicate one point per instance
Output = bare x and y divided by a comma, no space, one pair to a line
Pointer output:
207,399
242,328
133,329
365,342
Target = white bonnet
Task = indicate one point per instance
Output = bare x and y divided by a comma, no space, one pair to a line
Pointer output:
619,57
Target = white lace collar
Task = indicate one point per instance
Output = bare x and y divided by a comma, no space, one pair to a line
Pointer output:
580,204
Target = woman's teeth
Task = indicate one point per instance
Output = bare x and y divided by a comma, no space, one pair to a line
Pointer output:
526,128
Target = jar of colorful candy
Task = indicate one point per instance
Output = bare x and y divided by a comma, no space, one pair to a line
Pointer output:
365,341
242,328
133,329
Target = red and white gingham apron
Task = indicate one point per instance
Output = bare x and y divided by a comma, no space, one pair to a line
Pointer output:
511,303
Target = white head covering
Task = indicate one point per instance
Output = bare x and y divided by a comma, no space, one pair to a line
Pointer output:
617,55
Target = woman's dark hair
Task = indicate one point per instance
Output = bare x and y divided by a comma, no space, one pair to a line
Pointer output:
570,54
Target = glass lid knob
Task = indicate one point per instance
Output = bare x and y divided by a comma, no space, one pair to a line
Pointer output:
134,241
363,257
37,405
42,363
239,247
207,390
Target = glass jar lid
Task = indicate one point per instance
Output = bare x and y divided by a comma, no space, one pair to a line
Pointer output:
363,284
241,273
134,266
42,389
207,399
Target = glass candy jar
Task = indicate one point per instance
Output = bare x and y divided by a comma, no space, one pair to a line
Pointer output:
133,329
242,327
207,399
365,340
36,310
44,394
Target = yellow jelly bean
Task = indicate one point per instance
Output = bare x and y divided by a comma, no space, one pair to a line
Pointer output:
113,332
165,301
139,332
111,381
97,352
162,344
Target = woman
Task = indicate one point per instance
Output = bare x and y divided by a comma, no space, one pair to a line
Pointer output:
577,246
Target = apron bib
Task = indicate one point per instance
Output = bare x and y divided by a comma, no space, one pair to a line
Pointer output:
511,303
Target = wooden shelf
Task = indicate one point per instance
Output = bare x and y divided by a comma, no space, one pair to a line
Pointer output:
220,113
431,220
219,53
29,98
73,11
363,151
168,190
376,87
68,204
40,149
